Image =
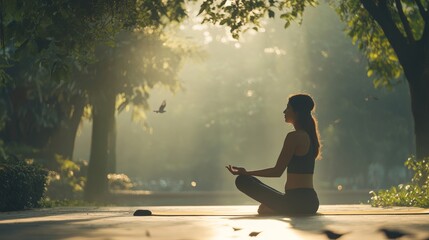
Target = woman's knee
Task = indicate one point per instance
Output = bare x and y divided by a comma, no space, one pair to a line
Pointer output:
242,181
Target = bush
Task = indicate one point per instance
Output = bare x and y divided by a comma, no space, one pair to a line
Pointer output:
66,182
119,181
22,183
414,194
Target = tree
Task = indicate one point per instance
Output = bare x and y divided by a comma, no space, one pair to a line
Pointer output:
139,61
43,109
59,40
394,35
123,70
41,48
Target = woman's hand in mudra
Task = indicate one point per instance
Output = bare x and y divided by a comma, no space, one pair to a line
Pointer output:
236,170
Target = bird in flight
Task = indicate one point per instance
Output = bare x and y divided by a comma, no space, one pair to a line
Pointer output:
161,108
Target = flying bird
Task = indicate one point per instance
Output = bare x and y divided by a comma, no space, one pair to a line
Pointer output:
393,233
161,108
332,235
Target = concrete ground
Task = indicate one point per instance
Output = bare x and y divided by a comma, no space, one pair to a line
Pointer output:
203,222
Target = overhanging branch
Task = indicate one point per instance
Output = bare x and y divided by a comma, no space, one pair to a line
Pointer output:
382,16
425,16
404,21
423,12
370,7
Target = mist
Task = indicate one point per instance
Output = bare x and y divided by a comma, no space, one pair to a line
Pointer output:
229,111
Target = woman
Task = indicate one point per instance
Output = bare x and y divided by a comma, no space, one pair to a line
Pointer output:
300,149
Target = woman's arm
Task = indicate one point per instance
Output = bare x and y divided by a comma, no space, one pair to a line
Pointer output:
288,150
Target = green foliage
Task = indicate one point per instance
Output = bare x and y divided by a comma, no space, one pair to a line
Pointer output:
414,194
383,64
242,15
49,44
67,182
23,183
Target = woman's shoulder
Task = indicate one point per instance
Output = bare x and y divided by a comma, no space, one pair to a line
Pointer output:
300,135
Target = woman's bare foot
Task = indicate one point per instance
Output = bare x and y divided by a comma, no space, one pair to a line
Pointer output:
264,210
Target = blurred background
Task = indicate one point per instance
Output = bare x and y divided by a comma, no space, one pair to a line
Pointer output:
229,111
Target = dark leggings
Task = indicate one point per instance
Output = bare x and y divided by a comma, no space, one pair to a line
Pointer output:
294,201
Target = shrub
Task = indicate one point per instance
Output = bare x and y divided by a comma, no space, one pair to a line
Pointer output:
67,182
414,194
22,183
119,182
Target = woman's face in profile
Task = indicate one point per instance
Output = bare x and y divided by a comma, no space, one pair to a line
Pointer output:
289,114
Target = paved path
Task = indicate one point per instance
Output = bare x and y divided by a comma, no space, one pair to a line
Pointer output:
200,222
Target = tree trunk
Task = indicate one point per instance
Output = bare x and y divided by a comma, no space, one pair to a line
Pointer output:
419,90
103,114
111,159
414,59
63,140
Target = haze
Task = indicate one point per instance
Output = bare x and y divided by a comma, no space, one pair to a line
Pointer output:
230,111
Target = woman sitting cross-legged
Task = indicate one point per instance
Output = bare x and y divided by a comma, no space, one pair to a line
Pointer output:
300,149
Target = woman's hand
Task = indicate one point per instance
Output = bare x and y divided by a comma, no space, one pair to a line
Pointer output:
236,170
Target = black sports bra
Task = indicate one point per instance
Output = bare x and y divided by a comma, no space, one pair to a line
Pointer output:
302,164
